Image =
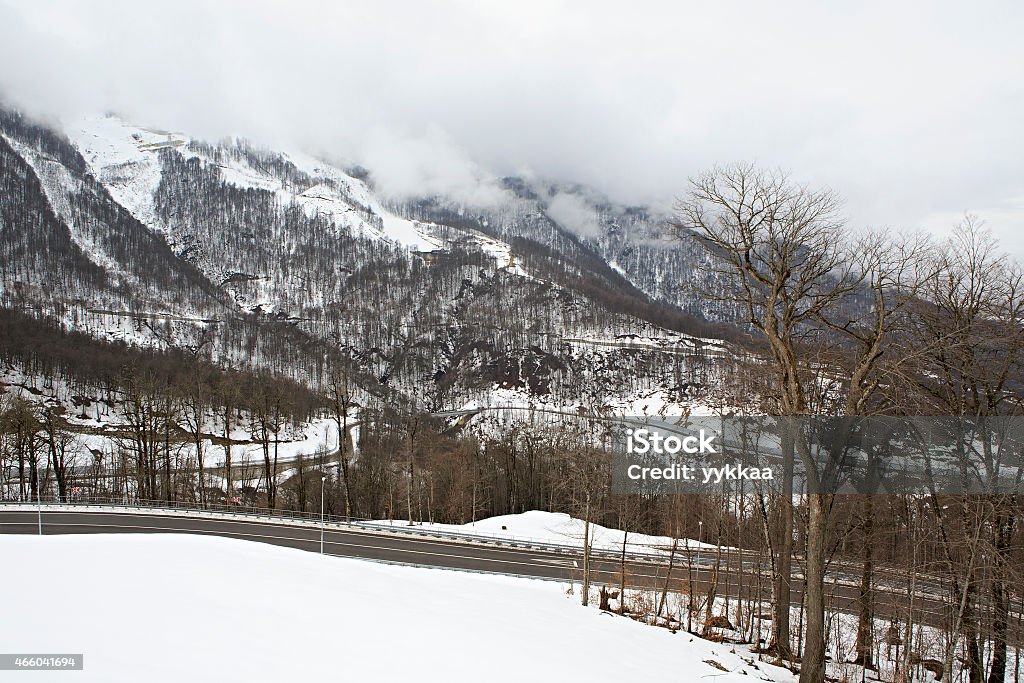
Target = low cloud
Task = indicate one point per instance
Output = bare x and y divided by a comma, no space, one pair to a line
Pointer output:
408,165
573,213
441,96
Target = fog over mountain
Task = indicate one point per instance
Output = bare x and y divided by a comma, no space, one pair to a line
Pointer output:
912,115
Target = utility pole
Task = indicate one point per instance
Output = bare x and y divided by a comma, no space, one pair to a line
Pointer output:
700,542
323,483
39,499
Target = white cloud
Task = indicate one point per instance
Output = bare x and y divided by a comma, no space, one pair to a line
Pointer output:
407,165
909,110
572,213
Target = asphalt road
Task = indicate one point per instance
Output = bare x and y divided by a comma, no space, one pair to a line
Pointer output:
386,546
398,546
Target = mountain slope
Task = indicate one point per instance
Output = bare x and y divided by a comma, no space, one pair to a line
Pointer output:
280,260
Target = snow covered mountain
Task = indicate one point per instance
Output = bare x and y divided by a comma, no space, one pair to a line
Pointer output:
280,260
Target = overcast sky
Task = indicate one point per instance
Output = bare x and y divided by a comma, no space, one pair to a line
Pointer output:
912,112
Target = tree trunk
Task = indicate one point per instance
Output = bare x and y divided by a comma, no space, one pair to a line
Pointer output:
586,554
668,577
622,574
812,668
865,622
227,454
272,482
779,644
343,462
1002,530
201,460
712,593
1000,619
268,469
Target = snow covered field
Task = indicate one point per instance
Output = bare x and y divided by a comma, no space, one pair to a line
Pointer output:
144,607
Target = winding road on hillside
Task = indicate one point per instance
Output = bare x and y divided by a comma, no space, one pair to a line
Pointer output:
407,545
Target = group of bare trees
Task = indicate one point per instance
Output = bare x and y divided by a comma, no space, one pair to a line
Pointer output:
146,432
855,325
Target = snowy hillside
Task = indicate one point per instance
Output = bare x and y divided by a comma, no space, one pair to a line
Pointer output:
288,615
279,260
126,159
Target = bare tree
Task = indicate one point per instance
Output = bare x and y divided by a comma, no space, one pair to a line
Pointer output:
60,443
19,422
144,426
229,393
971,323
412,429
778,246
194,397
893,272
341,401
588,470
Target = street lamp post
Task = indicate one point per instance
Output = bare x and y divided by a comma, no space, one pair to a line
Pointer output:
700,541
39,499
323,484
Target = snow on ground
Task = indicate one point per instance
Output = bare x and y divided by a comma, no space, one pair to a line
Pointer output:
142,607
500,251
558,528
407,232
321,433
411,234
124,158
59,185
500,405
656,339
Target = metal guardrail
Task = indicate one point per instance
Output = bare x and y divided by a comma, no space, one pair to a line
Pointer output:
516,541
704,558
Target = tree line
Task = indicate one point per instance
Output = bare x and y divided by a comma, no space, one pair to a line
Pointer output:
871,324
